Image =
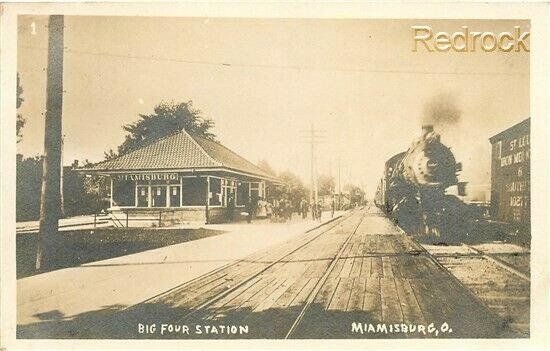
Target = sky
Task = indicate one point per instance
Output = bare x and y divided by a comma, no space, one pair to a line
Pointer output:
265,81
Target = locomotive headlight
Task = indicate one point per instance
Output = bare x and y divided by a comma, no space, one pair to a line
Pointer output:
431,164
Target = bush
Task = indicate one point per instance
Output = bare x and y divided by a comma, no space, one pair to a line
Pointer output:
28,186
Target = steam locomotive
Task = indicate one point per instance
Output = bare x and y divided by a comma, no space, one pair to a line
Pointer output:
413,190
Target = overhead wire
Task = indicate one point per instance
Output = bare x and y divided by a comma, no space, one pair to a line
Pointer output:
271,66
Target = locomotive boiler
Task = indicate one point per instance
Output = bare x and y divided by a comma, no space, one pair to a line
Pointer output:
413,189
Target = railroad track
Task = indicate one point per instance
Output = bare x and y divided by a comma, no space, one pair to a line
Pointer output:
311,297
501,263
498,282
318,231
280,260
360,267
501,283
204,298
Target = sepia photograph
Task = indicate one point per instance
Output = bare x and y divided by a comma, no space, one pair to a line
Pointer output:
241,177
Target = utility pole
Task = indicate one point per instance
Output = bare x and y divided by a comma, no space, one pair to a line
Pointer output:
313,137
50,197
313,191
339,185
62,197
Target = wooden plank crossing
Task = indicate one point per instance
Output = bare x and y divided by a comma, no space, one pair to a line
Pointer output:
363,269
372,301
356,299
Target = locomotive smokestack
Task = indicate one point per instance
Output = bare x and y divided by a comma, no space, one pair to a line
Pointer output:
427,129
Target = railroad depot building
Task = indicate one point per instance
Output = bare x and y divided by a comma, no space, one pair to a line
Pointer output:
510,176
182,178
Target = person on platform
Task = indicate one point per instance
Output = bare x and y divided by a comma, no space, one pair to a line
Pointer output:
332,207
269,209
276,208
261,210
282,208
319,210
250,209
230,208
288,209
304,208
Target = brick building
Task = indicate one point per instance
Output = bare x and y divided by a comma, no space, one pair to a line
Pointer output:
510,176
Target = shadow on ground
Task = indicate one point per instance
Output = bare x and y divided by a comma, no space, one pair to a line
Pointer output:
475,233
77,247
116,322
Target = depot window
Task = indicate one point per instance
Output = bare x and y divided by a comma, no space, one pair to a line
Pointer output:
158,193
215,191
229,192
194,191
243,191
257,190
123,193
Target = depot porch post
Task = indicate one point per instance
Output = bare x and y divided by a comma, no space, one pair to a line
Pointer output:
207,214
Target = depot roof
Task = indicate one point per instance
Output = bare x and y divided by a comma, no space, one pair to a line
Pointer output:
179,151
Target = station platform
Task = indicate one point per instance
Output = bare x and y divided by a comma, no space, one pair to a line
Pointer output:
357,277
106,286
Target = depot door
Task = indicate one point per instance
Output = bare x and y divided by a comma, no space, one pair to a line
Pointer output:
143,196
158,198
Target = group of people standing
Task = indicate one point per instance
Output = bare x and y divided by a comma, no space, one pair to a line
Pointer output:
281,209
316,209
276,209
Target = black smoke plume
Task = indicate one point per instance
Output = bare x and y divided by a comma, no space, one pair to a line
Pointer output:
442,109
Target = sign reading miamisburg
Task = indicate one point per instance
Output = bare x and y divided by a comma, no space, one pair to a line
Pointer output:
147,176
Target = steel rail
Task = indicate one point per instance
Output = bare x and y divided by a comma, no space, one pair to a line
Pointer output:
332,223
313,294
508,267
254,275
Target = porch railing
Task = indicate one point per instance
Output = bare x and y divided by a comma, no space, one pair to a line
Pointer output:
124,217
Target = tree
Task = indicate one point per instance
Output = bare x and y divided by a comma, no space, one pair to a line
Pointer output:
85,194
20,120
326,185
28,183
109,155
167,118
293,188
263,165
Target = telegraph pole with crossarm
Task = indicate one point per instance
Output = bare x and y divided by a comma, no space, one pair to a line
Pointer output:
313,137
